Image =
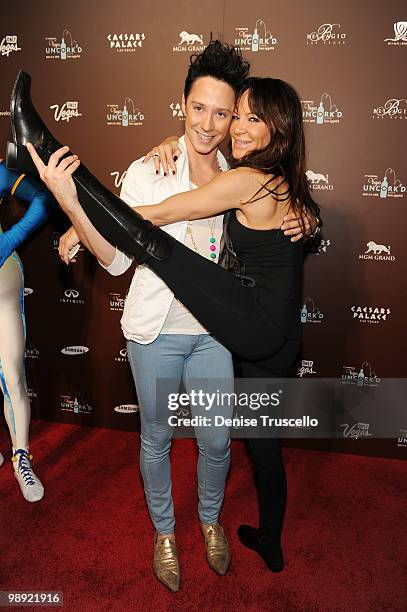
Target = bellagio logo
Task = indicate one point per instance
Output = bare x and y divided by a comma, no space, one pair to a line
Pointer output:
394,108
127,115
126,43
327,34
9,45
400,34
324,111
257,38
189,42
66,111
63,48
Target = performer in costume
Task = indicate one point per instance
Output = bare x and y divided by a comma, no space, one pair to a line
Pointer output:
12,323
254,311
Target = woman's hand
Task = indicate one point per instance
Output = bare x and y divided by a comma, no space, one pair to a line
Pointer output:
57,176
292,226
67,243
165,155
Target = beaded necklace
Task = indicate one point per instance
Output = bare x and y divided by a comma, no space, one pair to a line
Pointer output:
212,226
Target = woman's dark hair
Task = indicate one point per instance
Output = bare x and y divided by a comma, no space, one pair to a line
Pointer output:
277,104
220,61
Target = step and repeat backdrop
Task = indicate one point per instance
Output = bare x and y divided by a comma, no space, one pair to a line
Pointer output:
108,78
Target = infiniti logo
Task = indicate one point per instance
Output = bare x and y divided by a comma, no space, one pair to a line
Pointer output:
74,350
71,293
123,352
28,291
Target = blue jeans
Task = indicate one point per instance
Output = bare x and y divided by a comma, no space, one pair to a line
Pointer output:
181,357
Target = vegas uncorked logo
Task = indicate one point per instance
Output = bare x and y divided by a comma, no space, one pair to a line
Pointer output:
62,48
116,302
327,34
400,34
387,185
394,108
310,313
9,44
126,115
75,403
65,111
126,43
370,314
256,38
363,376
322,111
189,42
118,177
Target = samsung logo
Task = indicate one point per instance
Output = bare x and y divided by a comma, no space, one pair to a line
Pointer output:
74,350
127,408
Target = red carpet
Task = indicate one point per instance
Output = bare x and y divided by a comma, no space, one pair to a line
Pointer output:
91,538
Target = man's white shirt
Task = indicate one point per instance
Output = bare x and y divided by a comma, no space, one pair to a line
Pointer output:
149,299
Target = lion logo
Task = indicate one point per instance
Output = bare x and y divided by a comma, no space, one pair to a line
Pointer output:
316,178
190,39
377,249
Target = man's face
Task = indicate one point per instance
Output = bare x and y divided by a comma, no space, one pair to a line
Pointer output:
208,112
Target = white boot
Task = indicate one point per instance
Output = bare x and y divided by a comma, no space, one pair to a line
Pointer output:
1,459
30,484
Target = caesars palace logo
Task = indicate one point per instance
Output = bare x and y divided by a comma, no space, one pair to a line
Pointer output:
191,43
377,252
324,111
176,110
126,43
63,48
394,108
127,115
9,45
327,34
400,34
255,38
65,111
370,314
383,186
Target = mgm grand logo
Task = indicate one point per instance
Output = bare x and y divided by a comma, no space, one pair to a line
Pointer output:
377,252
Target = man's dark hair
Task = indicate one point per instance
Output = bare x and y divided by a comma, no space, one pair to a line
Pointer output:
219,61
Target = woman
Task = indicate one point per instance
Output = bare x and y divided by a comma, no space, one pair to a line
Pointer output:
12,324
253,311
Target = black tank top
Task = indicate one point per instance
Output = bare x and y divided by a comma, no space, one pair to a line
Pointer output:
266,261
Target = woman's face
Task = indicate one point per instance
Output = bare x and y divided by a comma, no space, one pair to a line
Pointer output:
247,131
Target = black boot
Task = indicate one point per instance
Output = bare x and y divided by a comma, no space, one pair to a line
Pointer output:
113,218
269,550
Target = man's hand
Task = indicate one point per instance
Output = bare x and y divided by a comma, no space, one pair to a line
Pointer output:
67,242
57,176
165,154
292,226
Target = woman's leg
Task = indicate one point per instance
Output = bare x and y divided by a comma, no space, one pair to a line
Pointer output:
12,375
268,468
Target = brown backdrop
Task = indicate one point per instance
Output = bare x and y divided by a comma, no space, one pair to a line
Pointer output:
346,56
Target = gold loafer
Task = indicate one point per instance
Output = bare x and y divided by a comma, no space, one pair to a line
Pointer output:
217,548
165,563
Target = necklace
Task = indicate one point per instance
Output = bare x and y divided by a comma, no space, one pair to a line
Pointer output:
212,239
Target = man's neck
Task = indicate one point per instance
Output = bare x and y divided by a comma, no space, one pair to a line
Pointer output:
202,168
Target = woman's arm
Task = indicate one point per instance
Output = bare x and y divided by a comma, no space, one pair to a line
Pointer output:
227,190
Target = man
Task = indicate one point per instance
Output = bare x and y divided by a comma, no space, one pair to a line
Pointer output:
164,339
